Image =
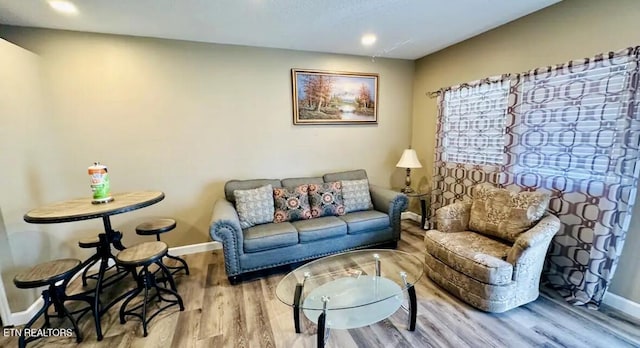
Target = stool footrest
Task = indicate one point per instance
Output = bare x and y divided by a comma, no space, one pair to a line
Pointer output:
146,281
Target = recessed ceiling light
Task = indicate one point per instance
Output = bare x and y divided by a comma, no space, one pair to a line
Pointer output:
368,39
63,6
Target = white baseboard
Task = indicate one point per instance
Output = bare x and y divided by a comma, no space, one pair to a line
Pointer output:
409,215
21,318
622,304
195,248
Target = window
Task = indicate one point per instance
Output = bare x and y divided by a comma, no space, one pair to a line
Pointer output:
473,123
574,120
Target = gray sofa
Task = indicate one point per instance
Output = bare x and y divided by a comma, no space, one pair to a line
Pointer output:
275,244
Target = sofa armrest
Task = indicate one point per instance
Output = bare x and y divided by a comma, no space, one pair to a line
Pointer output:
453,217
225,228
389,202
528,253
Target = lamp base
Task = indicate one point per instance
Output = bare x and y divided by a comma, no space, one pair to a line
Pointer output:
407,190
407,183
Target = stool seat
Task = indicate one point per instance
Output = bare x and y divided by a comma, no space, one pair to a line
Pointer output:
142,254
46,273
89,242
137,260
155,227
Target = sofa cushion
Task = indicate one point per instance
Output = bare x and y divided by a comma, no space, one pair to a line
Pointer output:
504,214
320,228
293,182
269,236
473,254
233,185
348,175
254,206
291,203
326,199
365,221
356,195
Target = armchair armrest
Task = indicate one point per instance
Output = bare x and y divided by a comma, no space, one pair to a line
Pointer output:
453,217
530,249
539,234
389,202
225,228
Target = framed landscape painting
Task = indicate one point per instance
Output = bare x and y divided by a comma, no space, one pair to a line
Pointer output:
329,97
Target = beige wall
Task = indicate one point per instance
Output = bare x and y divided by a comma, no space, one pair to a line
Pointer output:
184,118
569,30
28,156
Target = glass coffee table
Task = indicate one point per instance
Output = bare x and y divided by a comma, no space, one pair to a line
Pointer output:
352,289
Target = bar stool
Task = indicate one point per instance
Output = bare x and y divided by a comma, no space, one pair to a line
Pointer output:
90,243
48,274
99,255
156,227
142,256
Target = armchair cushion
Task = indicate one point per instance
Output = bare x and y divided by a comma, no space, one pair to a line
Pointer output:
504,214
472,254
453,217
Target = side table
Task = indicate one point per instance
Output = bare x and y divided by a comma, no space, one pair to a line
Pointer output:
422,196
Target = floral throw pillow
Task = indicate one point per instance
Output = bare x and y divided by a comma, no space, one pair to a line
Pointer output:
291,204
254,206
326,199
356,195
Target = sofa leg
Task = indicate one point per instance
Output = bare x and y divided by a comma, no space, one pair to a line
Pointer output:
234,280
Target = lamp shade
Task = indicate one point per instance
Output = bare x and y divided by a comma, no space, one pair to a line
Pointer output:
409,159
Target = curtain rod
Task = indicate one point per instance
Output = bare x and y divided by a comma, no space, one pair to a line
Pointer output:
434,94
629,51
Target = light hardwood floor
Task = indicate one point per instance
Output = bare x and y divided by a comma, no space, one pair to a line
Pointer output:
249,315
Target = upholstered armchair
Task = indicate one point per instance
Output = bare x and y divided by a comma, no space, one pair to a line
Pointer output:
490,252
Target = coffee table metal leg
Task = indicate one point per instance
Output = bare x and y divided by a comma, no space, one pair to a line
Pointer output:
323,330
413,303
297,297
296,307
413,308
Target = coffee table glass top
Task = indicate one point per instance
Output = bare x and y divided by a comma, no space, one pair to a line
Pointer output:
349,280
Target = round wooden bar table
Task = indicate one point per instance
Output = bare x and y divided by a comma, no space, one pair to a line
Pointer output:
83,209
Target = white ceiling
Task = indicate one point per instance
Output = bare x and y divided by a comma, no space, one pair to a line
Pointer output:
407,29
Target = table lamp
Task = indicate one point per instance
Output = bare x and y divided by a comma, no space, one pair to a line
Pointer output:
408,160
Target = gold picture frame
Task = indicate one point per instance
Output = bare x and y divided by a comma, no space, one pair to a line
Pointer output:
334,97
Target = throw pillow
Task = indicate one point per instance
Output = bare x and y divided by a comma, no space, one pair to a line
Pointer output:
356,195
505,214
254,206
291,204
326,199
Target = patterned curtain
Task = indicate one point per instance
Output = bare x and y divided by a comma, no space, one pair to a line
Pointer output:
574,130
469,139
